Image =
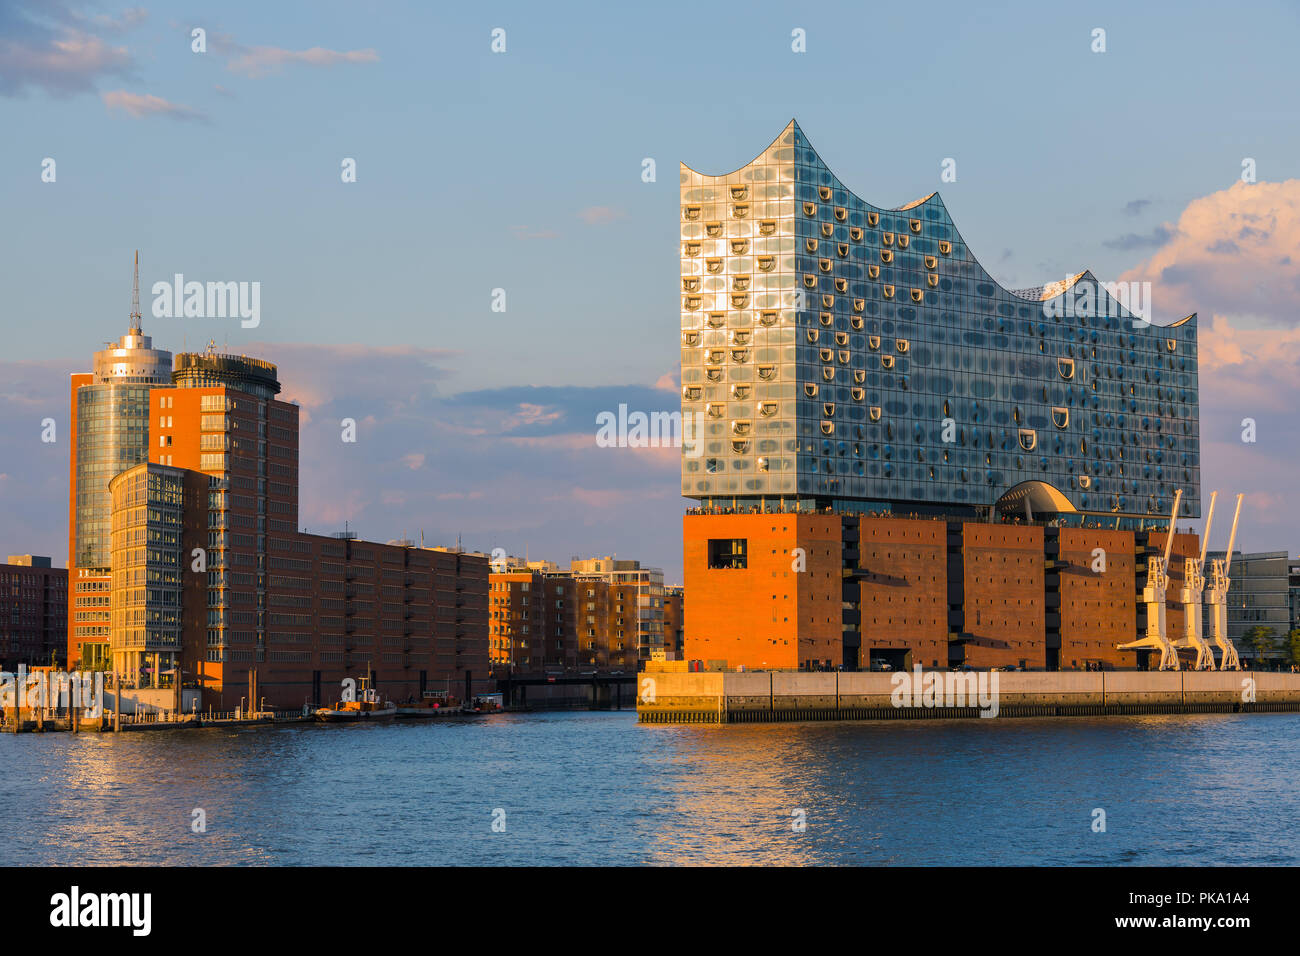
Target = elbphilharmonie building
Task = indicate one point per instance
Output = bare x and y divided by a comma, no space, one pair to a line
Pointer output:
849,356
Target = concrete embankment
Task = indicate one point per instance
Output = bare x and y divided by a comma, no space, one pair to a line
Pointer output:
750,697
104,723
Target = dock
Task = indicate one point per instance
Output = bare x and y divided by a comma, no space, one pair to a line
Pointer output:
779,696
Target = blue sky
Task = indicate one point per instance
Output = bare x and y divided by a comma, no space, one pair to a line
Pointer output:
522,171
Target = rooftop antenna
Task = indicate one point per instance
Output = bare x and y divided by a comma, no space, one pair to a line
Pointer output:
135,297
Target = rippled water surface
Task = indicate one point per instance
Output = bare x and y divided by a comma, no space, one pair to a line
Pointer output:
597,788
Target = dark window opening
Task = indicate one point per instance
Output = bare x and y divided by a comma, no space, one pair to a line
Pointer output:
727,553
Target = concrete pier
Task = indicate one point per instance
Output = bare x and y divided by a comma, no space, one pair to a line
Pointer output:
750,697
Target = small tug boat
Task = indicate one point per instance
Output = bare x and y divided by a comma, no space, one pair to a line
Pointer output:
367,706
433,703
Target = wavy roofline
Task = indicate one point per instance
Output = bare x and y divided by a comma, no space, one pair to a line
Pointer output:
1060,287
794,124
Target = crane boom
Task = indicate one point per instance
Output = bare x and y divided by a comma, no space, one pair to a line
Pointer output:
1173,517
1227,560
1209,521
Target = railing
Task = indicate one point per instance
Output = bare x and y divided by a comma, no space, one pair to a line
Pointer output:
1091,521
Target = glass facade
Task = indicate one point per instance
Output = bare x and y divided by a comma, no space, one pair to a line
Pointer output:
147,567
112,434
839,353
1259,595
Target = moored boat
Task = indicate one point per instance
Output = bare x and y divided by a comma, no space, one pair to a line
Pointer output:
482,704
367,706
433,703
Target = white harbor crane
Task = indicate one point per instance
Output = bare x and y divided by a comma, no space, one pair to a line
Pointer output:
1216,596
1153,595
1193,588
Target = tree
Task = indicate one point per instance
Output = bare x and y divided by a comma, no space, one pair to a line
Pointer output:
1263,641
1293,647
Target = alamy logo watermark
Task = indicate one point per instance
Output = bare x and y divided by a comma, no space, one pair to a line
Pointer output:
1081,300
37,690
626,429
946,689
211,300
74,908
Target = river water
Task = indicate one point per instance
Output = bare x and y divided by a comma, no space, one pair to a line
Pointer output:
597,788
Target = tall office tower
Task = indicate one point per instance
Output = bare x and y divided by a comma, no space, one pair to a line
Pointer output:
878,413
109,433
221,418
844,354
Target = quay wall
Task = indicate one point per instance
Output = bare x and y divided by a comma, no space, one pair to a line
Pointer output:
746,697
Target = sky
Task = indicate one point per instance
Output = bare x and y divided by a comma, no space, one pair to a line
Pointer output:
522,171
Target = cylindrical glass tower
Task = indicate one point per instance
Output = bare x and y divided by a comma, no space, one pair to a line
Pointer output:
113,433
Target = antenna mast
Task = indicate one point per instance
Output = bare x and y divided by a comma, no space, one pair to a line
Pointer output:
135,297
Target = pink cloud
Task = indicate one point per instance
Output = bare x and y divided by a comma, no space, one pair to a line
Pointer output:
258,61
141,105
1251,367
600,215
530,414
1235,252
62,63
569,441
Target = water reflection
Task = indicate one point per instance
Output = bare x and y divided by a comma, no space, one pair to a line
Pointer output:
599,789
